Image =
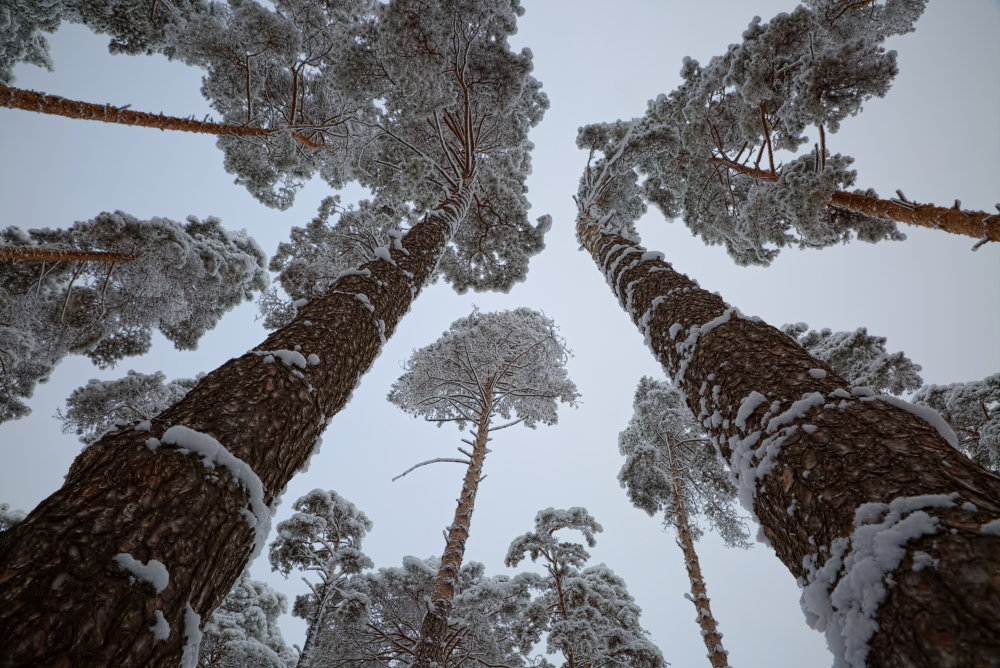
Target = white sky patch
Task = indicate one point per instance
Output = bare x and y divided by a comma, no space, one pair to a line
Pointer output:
153,571
213,453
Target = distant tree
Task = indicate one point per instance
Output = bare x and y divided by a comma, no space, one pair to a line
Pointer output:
508,365
322,537
381,617
859,357
812,67
826,468
973,411
320,253
9,517
183,279
243,631
670,465
102,405
449,136
588,613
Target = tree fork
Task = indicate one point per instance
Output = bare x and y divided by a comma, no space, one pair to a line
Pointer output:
847,464
717,656
976,224
66,600
28,253
29,100
431,644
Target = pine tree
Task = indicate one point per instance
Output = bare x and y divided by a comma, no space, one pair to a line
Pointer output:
99,406
508,365
182,279
812,67
379,621
323,537
9,517
670,466
859,357
243,631
857,493
447,140
589,615
973,411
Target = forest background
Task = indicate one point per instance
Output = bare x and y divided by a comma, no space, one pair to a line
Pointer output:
935,136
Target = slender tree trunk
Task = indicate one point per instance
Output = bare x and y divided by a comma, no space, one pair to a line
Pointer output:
975,224
699,593
434,627
68,602
29,100
857,495
312,629
58,255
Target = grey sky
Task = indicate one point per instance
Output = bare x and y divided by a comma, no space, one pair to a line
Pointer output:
935,137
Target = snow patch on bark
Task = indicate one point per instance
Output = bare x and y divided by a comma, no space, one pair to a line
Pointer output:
161,629
192,637
843,595
153,571
214,453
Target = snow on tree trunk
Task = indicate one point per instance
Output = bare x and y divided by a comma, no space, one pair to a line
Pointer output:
192,490
699,593
29,100
59,255
890,531
431,649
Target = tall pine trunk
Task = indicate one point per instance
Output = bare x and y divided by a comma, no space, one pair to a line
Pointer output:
432,646
67,600
29,100
699,593
857,495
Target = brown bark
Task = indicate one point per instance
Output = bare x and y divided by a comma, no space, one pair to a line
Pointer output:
434,627
67,603
29,100
825,461
975,224
58,255
699,593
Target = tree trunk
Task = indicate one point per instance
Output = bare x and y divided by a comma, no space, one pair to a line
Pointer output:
857,495
431,647
67,602
975,224
699,594
29,100
59,254
312,628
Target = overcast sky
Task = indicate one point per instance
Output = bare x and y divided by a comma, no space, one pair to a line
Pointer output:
935,137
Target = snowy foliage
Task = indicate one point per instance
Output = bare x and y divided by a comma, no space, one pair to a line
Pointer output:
662,444
454,107
185,278
379,623
588,613
316,255
243,631
859,357
9,517
21,24
102,405
273,68
973,411
515,358
700,148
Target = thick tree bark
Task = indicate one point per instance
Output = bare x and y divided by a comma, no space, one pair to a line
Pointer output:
29,100
67,602
58,255
856,494
431,646
699,593
976,224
